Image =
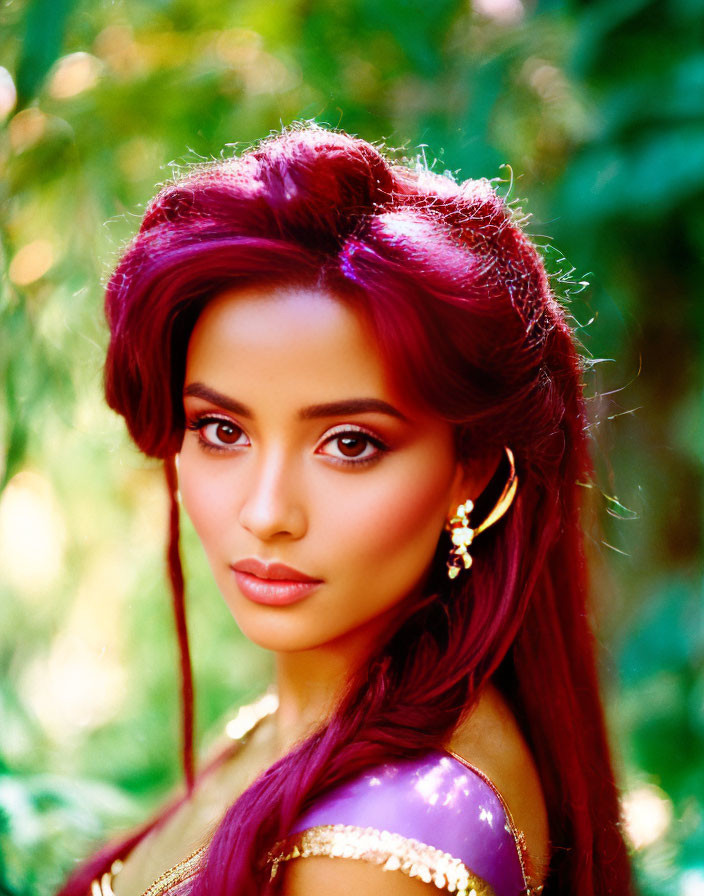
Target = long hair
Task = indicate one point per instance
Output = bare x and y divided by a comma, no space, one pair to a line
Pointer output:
468,327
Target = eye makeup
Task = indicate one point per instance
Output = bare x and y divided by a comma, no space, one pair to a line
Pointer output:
227,430
221,434
352,434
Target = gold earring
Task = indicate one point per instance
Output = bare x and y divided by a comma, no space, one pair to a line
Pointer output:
463,535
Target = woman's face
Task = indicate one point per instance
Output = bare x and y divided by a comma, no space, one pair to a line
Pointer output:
299,452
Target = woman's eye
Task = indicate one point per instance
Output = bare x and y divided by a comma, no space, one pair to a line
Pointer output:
353,447
216,433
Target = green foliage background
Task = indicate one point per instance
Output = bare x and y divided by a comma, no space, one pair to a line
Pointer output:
598,109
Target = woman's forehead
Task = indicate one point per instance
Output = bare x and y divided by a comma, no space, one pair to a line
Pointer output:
296,340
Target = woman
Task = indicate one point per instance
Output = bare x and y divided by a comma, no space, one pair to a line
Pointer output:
360,380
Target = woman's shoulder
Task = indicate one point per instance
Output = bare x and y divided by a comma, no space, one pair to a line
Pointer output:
489,739
451,818
441,818
431,817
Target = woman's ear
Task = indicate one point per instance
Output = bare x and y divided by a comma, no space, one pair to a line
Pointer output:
471,478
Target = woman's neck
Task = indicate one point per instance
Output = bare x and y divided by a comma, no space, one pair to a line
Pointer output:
311,683
306,697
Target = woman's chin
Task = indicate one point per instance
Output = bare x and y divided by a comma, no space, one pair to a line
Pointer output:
273,628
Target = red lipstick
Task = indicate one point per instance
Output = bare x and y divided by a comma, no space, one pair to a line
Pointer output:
272,584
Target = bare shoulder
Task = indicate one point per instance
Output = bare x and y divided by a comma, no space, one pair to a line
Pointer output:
490,740
320,876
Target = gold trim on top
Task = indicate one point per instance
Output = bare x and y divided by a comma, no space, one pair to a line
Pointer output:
393,852
179,874
243,724
517,834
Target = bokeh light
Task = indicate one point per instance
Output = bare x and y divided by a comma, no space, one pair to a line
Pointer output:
32,534
506,12
693,883
73,74
31,262
647,815
27,128
8,93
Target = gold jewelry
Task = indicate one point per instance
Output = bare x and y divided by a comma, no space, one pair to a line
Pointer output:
463,535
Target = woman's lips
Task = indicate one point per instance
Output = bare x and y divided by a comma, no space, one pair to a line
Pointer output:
272,584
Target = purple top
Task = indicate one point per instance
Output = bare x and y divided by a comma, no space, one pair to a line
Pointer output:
438,801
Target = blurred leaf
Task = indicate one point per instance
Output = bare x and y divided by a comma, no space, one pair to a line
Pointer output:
41,817
647,180
669,632
45,23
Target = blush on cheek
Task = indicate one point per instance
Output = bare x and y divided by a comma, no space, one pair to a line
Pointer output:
397,530
412,517
206,506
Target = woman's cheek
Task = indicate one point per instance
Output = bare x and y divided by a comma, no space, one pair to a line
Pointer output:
207,501
400,519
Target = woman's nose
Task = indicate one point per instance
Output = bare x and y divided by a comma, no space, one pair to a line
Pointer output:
272,505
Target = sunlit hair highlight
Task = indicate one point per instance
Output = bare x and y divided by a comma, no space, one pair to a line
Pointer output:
466,322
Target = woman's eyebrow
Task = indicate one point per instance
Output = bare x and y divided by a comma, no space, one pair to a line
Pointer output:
328,409
200,390
352,406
